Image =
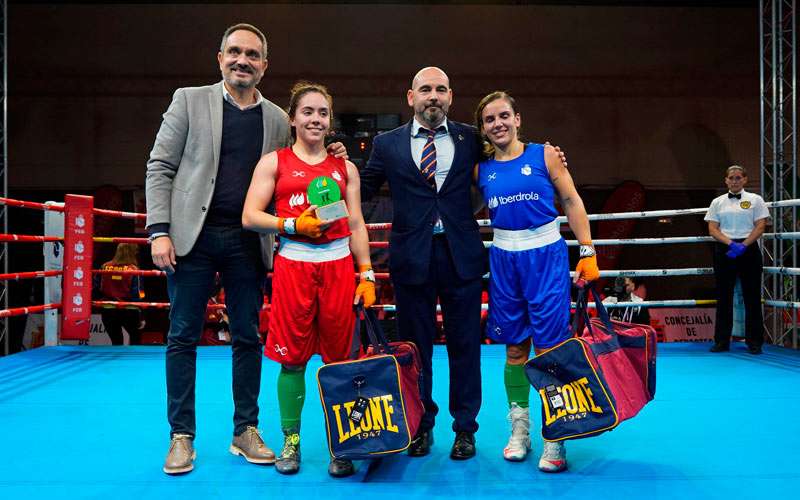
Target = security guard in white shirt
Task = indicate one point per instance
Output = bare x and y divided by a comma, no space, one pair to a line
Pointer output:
736,220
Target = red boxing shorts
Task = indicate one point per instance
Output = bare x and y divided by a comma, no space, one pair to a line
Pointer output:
312,310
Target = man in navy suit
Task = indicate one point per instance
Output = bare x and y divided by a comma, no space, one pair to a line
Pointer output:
435,247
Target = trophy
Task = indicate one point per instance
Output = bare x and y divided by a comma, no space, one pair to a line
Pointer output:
325,194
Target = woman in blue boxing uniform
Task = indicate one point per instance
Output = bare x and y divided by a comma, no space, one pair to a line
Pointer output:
529,290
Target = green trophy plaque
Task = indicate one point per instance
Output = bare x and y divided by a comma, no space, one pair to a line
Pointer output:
325,194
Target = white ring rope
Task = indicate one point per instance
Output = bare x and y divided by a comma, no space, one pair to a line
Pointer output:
783,304
790,271
647,241
645,304
669,240
658,213
689,271
659,303
782,236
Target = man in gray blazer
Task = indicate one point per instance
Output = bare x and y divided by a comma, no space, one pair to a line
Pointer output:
197,177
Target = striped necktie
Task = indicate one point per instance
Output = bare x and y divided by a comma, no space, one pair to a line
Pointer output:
427,163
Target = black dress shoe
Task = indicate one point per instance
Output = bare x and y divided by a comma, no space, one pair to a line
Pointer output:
718,347
464,446
421,444
754,349
341,467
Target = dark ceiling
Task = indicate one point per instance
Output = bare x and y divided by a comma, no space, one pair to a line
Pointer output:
593,3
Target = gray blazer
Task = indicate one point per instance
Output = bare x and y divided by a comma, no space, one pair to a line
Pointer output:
185,159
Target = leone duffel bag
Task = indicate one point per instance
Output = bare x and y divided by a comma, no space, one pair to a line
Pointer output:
576,401
590,383
372,405
626,353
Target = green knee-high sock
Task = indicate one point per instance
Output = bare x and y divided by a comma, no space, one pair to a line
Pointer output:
291,396
517,387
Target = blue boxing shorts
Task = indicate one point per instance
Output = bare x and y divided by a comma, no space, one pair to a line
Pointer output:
529,289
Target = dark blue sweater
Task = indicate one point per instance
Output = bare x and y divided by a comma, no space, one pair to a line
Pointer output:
240,150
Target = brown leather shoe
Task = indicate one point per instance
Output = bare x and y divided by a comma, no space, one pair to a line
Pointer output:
181,455
250,445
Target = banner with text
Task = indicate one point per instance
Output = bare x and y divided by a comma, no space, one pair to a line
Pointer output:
683,324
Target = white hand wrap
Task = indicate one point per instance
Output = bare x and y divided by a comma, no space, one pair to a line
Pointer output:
288,226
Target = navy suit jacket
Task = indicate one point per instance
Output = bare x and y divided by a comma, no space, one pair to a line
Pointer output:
414,203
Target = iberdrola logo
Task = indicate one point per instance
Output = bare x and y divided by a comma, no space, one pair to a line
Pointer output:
493,202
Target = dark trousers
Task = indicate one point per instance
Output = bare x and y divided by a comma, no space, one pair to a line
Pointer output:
747,267
461,311
114,320
235,254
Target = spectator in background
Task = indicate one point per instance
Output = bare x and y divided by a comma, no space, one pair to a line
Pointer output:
639,288
120,288
736,220
625,291
216,330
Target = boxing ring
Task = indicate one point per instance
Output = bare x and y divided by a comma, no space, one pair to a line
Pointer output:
85,421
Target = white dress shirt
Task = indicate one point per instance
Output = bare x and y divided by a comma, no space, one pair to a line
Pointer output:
737,217
228,97
445,151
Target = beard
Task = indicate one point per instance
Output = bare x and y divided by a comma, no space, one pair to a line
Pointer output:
434,115
242,82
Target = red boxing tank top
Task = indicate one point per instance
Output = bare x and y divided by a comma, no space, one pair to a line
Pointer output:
291,191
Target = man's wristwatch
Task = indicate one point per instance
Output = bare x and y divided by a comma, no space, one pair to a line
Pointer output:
155,236
587,251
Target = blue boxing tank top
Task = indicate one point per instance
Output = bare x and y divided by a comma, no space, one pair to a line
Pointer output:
518,192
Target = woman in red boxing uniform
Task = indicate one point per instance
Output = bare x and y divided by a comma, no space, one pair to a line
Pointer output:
313,285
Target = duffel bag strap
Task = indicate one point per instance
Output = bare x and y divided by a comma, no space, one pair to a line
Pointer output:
374,331
582,314
581,317
602,312
355,344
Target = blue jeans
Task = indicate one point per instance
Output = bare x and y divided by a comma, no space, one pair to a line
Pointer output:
235,254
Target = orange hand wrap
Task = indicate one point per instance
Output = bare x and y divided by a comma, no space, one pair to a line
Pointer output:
366,287
587,269
308,224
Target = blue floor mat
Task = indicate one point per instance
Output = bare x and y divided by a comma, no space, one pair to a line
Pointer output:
90,422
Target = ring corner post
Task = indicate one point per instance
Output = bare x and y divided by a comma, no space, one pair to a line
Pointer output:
76,298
